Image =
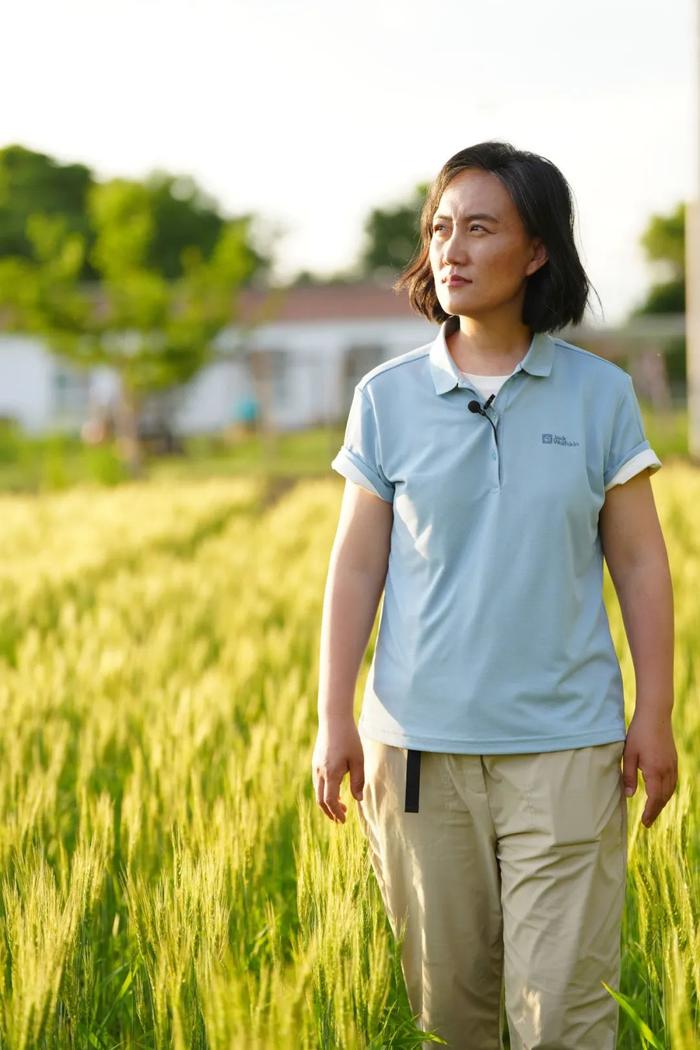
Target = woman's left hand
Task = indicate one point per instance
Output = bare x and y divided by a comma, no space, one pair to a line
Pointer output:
649,746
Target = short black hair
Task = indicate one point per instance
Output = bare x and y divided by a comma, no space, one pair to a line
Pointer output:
557,293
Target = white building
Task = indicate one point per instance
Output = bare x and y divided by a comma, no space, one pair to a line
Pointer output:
297,352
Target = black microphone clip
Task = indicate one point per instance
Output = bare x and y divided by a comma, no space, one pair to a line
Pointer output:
474,406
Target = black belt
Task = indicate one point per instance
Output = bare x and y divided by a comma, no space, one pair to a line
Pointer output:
412,780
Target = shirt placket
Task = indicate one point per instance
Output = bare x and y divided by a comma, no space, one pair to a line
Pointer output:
494,461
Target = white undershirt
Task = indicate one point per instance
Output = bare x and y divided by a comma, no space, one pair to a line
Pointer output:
487,385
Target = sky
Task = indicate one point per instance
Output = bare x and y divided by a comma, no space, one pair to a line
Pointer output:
311,113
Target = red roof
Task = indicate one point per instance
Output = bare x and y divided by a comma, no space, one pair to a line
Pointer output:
330,302
322,303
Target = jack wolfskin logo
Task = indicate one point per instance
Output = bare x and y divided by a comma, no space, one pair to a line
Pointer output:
556,439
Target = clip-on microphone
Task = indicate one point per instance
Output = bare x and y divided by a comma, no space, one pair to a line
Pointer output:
474,406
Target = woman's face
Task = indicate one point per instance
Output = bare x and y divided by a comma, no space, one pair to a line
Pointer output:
478,234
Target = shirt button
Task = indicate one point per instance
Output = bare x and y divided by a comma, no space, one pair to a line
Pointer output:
493,455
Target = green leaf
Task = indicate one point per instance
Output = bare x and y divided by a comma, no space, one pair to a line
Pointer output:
641,1026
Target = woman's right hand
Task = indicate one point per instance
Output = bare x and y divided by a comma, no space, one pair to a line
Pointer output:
338,750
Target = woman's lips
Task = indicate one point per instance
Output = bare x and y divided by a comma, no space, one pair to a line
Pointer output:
457,280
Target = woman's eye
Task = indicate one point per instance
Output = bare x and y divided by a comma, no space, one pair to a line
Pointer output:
474,226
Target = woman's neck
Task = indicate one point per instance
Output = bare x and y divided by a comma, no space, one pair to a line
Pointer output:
486,349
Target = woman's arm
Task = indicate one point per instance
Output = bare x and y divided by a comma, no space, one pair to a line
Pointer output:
356,575
636,556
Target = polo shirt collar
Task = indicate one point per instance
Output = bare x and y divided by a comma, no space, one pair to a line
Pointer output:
537,360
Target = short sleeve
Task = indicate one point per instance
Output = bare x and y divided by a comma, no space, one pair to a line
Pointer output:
359,457
628,439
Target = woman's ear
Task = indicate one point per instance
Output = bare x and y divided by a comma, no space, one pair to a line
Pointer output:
539,257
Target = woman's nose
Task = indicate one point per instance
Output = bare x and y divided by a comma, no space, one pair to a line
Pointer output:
454,250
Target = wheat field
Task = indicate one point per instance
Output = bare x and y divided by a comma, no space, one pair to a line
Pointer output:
168,879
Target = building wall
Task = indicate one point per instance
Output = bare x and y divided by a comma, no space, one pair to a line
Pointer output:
312,368
27,385
310,378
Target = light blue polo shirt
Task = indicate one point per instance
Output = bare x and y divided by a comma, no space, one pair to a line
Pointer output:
493,635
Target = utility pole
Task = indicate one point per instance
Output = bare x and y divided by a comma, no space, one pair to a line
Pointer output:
692,262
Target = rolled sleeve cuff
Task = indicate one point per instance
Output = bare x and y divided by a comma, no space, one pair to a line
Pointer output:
351,466
637,460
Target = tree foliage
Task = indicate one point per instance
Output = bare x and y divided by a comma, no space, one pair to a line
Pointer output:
391,237
182,214
34,182
139,277
153,330
663,242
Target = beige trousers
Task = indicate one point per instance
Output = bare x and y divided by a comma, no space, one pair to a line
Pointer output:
509,882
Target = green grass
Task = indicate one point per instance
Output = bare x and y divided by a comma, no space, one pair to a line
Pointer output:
56,461
667,432
168,879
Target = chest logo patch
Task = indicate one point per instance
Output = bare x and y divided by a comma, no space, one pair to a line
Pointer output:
557,439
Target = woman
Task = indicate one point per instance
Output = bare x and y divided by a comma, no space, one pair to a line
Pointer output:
488,472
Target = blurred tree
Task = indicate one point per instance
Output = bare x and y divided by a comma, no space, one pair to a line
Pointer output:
153,331
31,182
663,242
391,238
306,279
182,214
311,279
